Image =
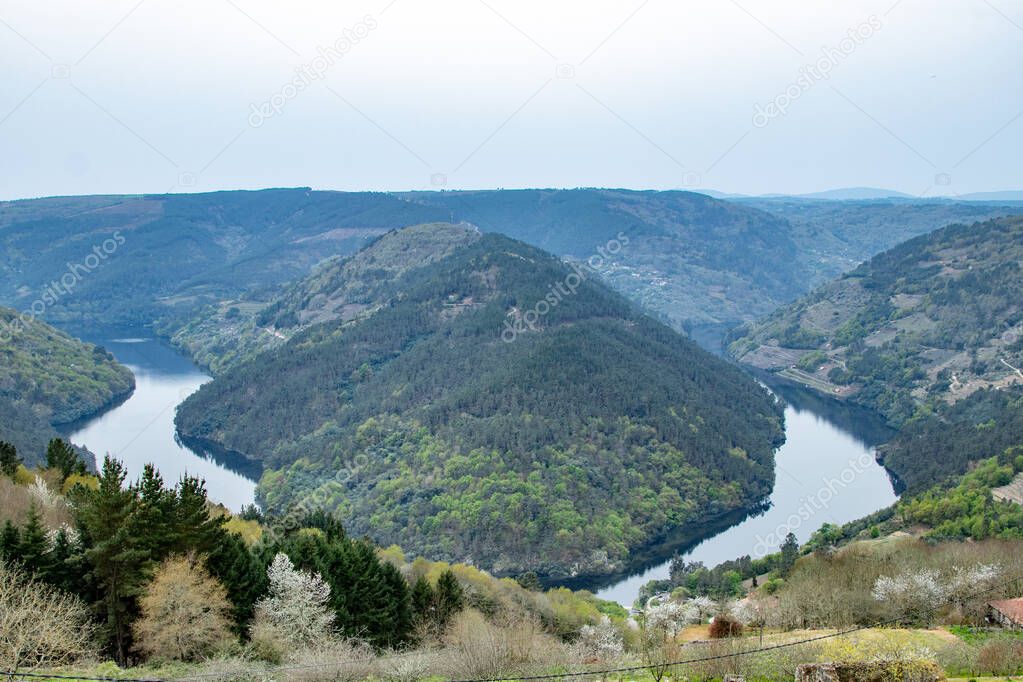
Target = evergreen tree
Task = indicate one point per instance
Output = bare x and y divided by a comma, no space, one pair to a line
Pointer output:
10,541
32,547
155,515
9,460
115,552
369,597
63,565
194,528
397,622
62,457
422,600
243,576
789,553
450,597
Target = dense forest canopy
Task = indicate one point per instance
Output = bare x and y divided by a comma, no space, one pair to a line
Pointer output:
453,418
48,378
929,334
695,261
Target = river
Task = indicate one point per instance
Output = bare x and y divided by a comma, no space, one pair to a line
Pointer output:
141,429
825,470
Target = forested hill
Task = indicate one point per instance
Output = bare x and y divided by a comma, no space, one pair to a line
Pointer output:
917,328
695,261
48,378
341,289
490,405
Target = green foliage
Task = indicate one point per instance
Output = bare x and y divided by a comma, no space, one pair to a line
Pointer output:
968,510
569,446
450,597
9,460
62,457
370,598
48,378
935,449
812,361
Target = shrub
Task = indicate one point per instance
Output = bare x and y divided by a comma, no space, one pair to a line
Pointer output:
184,613
39,625
1001,656
725,626
476,648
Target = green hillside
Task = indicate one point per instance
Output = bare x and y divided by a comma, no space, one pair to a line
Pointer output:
48,378
934,322
486,403
699,263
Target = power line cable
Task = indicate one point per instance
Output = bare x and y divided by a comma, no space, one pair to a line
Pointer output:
11,675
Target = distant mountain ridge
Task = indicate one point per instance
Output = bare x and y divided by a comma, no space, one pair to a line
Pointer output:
701,264
400,400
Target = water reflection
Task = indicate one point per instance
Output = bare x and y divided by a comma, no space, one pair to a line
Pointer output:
141,429
826,473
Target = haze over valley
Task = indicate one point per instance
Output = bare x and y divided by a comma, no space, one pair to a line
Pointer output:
490,341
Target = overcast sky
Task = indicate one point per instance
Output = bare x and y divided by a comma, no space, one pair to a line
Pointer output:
753,96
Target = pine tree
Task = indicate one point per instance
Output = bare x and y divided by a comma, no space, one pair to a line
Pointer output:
450,597
155,516
789,553
397,622
63,565
422,599
194,528
62,457
10,540
32,547
243,576
9,460
114,550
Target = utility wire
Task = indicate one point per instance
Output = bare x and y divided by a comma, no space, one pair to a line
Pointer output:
11,675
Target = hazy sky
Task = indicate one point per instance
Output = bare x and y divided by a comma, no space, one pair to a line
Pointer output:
752,96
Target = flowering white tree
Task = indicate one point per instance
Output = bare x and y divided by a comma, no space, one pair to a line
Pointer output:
669,617
672,616
296,609
704,608
964,581
920,593
602,641
916,592
749,612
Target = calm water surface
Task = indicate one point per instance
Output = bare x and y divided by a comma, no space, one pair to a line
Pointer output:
825,470
141,429
826,473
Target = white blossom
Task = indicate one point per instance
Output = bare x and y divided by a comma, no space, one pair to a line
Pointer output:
602,641
42,493
672,616
746,611
70,533
297,603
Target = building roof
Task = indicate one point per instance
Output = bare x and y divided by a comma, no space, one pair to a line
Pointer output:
1010,608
